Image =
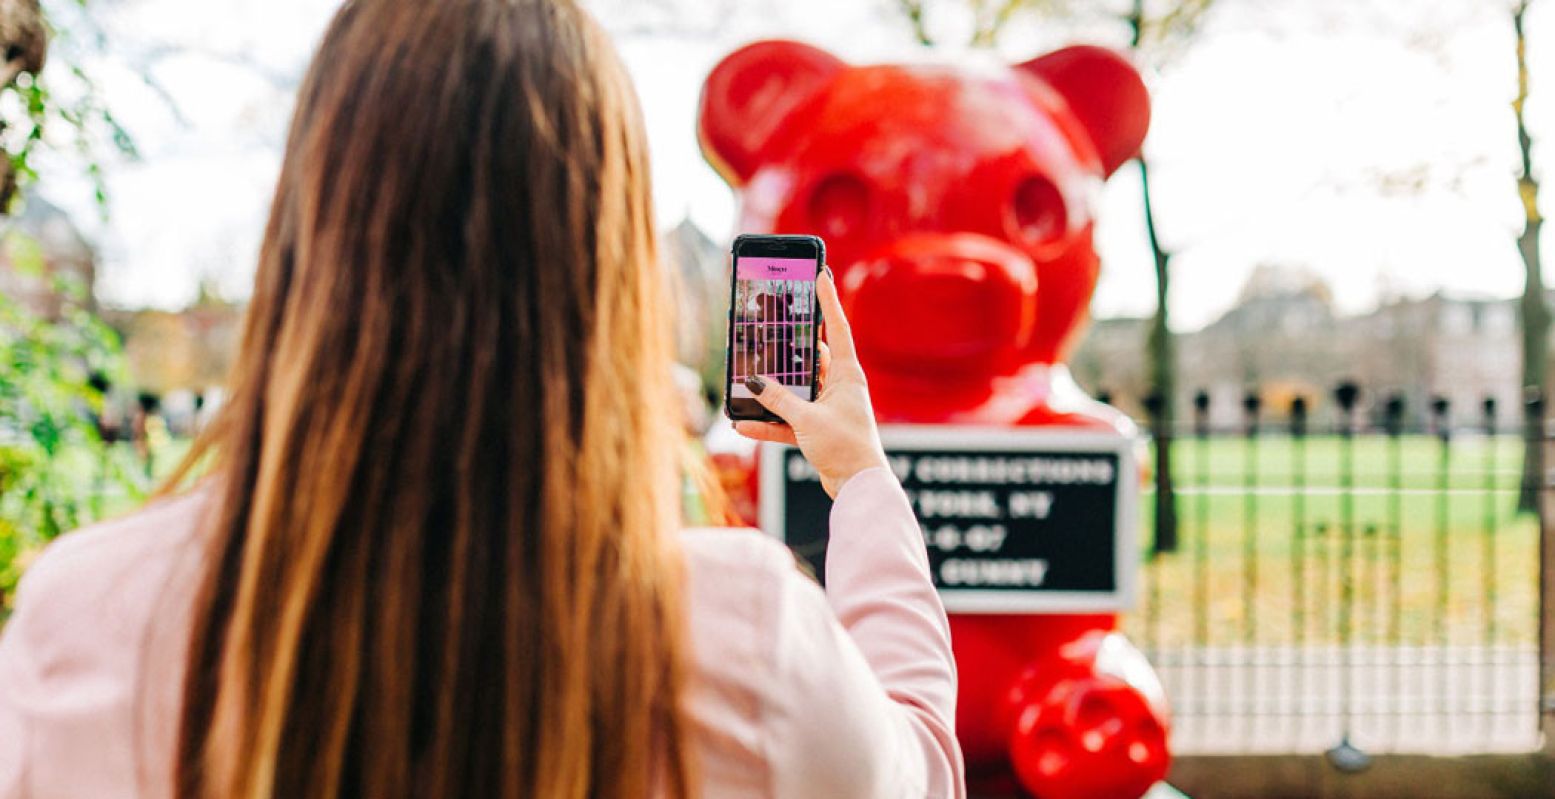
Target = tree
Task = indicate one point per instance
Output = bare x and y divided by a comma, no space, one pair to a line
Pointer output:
1179,22
988,18
56,357
1535,311
25,37
54,372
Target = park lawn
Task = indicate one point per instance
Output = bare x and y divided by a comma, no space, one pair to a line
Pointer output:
1279,460
1270,571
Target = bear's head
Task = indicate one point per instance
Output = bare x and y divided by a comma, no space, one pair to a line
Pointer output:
956,204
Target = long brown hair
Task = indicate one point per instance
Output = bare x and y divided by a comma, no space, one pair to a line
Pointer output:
442,558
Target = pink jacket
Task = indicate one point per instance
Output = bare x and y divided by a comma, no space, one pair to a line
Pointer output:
796,692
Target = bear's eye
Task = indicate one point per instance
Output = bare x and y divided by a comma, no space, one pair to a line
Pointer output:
1038,210
839,205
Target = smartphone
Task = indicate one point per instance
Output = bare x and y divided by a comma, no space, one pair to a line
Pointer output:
774,319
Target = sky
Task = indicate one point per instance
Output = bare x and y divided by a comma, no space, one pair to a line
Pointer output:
1368,141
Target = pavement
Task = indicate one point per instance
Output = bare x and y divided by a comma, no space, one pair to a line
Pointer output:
1416,700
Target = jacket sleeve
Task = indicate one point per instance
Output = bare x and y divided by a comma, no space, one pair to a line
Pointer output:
866,681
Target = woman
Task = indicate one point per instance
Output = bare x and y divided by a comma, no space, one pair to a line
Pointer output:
437,554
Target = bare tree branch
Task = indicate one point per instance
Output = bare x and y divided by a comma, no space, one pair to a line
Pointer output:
988,26
914,11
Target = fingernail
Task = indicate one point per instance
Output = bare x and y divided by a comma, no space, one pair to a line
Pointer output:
827,268
755,384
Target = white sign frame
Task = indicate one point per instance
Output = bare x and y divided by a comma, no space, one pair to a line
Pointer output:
1035,440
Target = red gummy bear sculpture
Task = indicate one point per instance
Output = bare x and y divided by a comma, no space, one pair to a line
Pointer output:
957,208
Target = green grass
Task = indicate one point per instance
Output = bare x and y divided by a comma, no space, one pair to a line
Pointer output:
1277,460
1425,567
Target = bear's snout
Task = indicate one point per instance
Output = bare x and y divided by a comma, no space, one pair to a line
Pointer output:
951,301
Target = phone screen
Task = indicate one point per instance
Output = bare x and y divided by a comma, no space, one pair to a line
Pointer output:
772,328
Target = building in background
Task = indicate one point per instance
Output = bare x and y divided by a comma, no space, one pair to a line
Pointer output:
700,270
1284,338
188,350
180,354
43,255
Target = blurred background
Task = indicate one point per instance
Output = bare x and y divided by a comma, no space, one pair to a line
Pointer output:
1322,293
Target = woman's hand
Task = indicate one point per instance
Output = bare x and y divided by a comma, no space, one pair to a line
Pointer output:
837,431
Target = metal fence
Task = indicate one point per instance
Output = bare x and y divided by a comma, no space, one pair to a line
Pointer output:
1345,582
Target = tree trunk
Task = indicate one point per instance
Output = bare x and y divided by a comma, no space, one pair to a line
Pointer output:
1160,349
24,38
1163,380
1535,312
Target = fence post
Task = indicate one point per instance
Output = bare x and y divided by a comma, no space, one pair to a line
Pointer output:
1201,519
1394,416
1538,432
101,385
1298,553
1345,756
1441,422
1251,402
1489,665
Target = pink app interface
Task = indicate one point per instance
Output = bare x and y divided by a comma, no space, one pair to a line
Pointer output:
774,323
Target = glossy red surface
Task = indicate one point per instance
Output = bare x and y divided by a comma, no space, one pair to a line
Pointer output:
957,205
1079,731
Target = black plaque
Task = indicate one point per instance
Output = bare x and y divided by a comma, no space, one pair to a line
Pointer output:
1013,520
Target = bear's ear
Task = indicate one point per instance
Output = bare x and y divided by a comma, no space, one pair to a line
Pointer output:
1105,92
750,95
